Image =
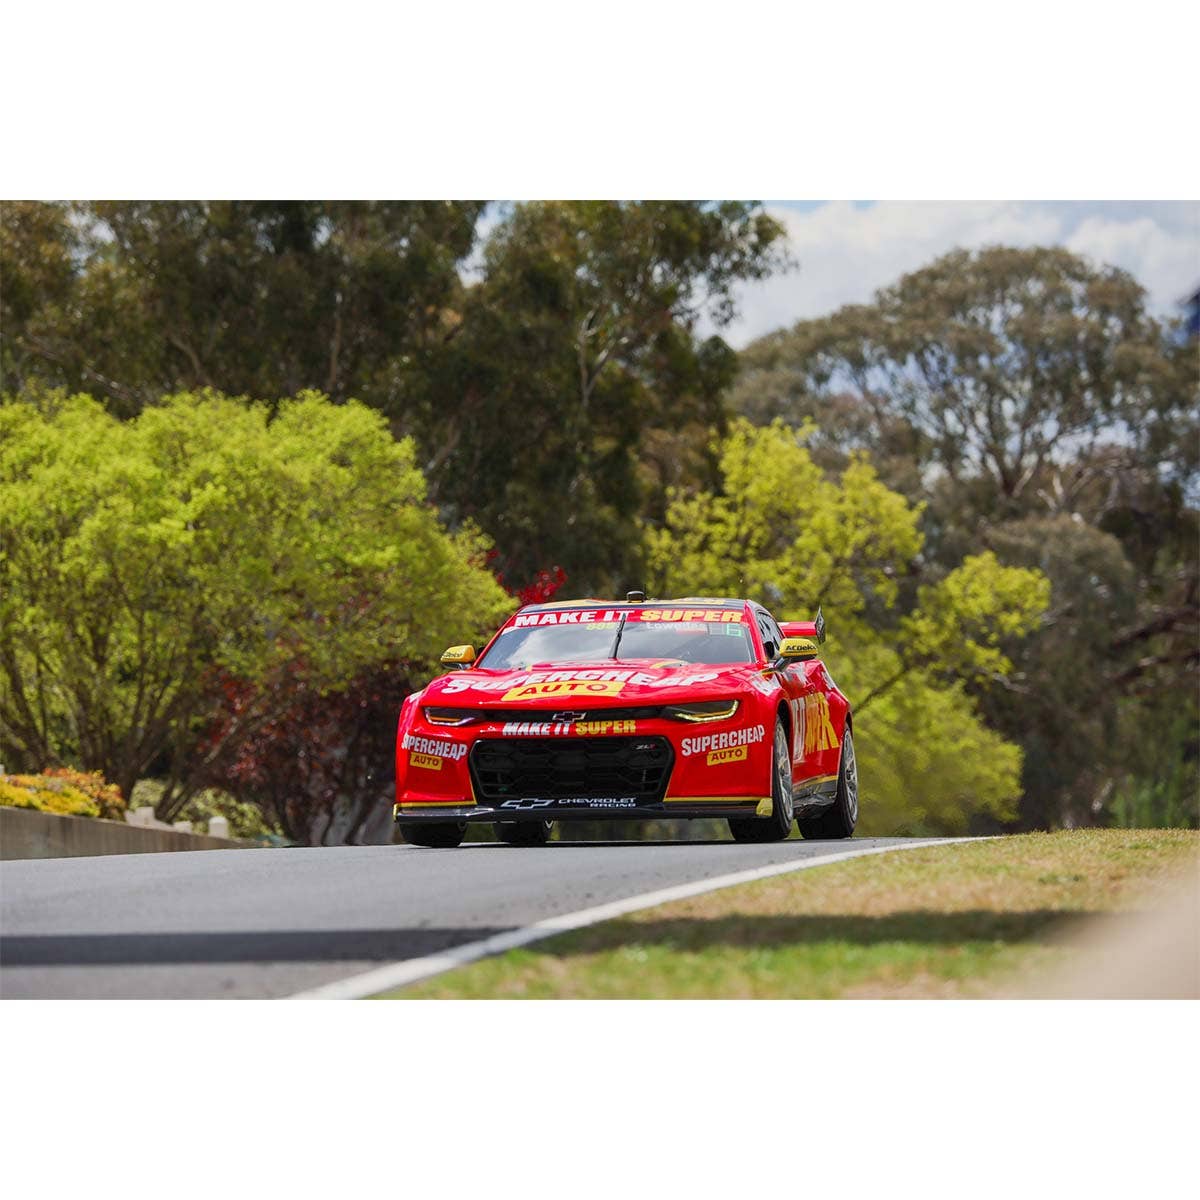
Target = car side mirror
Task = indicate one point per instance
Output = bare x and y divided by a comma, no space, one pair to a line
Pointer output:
459,656
798,649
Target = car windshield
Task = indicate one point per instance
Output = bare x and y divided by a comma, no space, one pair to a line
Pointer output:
669,642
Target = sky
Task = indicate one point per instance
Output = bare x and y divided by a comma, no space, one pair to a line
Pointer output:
847,249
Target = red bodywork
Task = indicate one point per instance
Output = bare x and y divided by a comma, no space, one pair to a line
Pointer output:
716,767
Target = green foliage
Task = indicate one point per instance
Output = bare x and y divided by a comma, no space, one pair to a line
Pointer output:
928,764
1169,803
1015,403
999,365
246,820
1033,408
1160,787
142,562
1061,707
780,528
575,387
578,342
960,622
132,299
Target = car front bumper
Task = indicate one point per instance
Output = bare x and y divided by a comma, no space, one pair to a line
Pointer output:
673,808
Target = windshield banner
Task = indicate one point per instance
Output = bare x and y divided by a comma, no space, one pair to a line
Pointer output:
607,616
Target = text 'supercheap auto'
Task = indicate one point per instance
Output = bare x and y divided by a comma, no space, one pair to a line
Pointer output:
591,709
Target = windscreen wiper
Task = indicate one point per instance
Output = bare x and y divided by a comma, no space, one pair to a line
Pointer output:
620,630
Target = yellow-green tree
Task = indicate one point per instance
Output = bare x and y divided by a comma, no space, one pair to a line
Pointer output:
142,563
909,658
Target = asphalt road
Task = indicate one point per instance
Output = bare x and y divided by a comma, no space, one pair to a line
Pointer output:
269,923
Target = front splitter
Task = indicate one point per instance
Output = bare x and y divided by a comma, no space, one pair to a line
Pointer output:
670,809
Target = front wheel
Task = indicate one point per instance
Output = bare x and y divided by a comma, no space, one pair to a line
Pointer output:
778,825
523,833
444,835
839,820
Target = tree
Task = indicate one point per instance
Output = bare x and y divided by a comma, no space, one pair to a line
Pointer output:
321,766
580,339
39,246
1022,372
577,382
135,299
1033,407
1085,731
781,529
145,564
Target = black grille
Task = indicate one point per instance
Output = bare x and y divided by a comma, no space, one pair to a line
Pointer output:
566,768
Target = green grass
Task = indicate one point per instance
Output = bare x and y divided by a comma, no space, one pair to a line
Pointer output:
972,919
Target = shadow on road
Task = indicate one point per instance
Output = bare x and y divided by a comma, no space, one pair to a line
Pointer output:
392,945
332,945
569,844
929,928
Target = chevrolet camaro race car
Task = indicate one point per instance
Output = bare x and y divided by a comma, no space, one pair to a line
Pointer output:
598,709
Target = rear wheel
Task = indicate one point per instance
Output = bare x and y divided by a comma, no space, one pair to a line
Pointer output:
523,833
839,820
442,836
778,825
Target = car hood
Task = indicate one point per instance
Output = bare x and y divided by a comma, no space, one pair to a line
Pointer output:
609,684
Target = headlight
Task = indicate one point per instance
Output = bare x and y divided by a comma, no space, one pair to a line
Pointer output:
707,710
450,716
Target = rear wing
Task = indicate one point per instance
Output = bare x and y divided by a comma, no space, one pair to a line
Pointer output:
808,629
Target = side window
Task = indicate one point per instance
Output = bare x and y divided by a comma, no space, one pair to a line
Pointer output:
772,636
776,632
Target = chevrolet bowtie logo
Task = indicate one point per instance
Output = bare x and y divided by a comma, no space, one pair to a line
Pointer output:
568,716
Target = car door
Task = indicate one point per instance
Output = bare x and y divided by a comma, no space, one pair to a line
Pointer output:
816,747
822,747
795,686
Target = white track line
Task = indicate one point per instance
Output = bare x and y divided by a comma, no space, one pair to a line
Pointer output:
398,974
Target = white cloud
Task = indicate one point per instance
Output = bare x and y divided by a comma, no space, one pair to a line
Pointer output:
847,251
1165,261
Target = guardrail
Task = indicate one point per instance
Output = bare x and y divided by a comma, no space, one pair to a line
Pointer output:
26,833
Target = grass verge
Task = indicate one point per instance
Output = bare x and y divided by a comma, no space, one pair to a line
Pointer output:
972,919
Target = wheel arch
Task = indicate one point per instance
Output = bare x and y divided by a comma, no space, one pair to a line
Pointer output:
783,709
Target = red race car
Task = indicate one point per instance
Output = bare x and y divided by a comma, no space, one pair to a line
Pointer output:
642,710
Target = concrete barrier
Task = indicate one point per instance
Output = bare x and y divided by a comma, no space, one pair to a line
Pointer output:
26,833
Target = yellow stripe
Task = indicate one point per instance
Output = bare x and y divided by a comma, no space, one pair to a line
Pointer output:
717,799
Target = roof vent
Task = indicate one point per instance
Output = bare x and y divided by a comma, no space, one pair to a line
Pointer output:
634,597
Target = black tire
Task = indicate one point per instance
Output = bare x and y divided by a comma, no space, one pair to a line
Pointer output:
839,820
523,833
778,825
442,836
